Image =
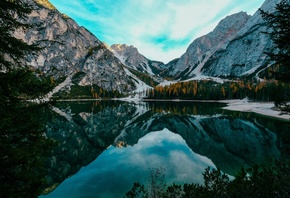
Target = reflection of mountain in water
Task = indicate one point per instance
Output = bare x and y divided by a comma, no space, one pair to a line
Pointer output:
228,142
83,131
86,130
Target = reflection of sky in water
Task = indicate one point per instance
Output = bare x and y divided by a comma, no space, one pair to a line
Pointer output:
112,174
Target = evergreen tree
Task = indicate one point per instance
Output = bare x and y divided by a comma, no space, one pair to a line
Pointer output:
12,17
17,79
279,31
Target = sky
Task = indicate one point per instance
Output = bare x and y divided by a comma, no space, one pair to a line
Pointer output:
160,29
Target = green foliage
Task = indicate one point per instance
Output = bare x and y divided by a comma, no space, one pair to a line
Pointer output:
155,187
144,77
87,92
271,180
78,77
17,81
22,142
173,191
13,50
209,90
46,4
137,191
22,84
96,48
99,92
215,182
24,150
156,184
279,32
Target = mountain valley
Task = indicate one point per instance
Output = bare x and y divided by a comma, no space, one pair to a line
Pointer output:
234,49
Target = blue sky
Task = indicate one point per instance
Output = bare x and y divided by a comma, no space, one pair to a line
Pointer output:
160,29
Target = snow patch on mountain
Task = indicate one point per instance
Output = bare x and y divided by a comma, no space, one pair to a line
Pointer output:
130,57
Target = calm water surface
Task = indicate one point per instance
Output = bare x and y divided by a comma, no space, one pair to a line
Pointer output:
104,147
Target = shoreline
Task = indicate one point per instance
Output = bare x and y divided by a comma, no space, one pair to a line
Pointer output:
244,105
262,108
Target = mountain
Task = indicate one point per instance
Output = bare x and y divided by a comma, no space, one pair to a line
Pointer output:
70,50
73,57
243,55
130,56
235,48
201,49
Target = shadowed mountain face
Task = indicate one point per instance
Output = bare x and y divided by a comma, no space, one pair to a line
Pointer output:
70,50
235,48
85,130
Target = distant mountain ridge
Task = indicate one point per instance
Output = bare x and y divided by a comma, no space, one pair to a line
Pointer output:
201,49
70,50
235,48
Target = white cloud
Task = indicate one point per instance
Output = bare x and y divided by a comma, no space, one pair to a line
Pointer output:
142,23
155,51
191,16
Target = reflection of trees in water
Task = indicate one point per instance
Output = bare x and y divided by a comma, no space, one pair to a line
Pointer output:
93,128
96,125
279,127
23,151
89,107
230,139
183,107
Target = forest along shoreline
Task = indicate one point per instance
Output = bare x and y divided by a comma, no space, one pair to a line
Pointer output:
244,105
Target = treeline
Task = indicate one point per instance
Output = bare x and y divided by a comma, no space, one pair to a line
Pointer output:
270,180
144,77
87,92
99,92
210,90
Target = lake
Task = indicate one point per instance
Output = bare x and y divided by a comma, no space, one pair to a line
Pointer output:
101,148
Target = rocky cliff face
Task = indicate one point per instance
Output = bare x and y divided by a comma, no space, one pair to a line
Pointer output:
69,48
130,56
235,48
243,55
204,47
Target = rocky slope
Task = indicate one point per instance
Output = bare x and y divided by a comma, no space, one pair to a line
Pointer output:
204,47
130,56
69,49
243,55
235,48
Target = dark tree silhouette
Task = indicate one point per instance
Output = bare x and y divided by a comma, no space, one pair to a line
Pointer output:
12,17
16,78
279,31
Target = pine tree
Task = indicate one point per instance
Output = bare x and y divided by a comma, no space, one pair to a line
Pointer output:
12,17
16,78
279,31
